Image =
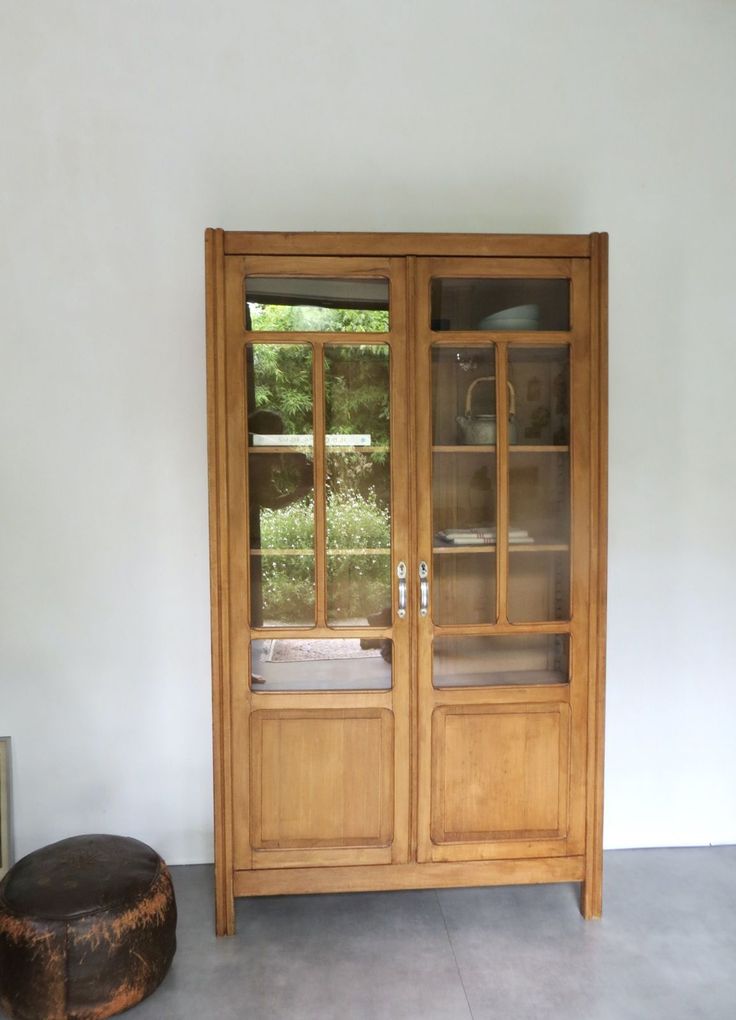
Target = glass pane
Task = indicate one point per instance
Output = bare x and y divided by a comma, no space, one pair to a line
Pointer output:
357,386
495,661
539,486
500,304
464,485
300,304
281,484
330,664
540,381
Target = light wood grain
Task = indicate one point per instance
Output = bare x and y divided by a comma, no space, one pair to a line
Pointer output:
321,778
325,243
219,559
592,890
286,882
413,787
499,773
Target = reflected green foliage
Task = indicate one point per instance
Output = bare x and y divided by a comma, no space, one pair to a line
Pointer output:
310,319
357,585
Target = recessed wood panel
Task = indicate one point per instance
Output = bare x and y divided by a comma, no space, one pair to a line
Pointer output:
322,778
499,772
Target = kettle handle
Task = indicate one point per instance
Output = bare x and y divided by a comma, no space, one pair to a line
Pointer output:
489,379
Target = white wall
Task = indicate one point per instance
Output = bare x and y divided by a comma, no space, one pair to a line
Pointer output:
128,128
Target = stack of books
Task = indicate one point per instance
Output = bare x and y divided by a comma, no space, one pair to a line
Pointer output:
481,536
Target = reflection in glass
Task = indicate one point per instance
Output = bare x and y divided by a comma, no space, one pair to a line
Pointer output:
316,304
539,537
330,664
500,660
357,386
540,377
464,587
463,396
539,486
464,485
500,304
280,484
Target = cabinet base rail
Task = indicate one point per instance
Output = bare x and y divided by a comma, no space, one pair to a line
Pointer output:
377,878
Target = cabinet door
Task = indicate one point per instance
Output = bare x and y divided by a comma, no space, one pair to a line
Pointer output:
317,465
503,529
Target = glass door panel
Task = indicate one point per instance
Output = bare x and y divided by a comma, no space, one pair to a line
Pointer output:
358,484
500,304
539,485
280,484
464,484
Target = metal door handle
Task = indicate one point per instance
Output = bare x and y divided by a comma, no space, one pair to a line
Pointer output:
423,589
401,574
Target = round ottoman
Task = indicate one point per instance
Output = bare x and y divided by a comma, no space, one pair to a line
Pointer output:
87,929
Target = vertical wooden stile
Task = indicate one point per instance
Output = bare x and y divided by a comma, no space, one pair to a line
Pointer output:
592,889
219,560
413,560
502,490
320,489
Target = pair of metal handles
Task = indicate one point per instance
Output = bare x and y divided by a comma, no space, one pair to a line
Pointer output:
423,589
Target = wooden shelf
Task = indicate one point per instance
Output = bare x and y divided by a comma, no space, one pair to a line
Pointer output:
515,547
385,551
506,678
307,448
515,448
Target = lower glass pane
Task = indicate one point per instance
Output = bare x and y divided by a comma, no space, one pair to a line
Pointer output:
539,585
358,538
281,539
324,664
539,536
501,660
464,524
464,586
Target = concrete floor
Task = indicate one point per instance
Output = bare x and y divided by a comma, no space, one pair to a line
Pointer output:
666,948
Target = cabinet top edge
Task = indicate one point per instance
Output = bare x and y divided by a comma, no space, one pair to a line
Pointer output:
243,242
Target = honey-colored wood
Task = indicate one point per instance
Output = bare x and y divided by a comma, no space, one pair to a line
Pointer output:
320,495
288,881
325,243
321,778
499,773
502,482
415,786
217,455
592,888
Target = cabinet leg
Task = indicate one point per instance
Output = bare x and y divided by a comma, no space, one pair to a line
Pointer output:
224,906
591,895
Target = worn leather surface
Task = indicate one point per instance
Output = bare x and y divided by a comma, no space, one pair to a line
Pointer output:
87,929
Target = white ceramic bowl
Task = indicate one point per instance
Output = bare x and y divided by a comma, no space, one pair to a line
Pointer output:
510,318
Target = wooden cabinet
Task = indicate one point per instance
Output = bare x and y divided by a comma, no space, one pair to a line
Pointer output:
407,467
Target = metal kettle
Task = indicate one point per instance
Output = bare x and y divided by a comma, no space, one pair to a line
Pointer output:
480,429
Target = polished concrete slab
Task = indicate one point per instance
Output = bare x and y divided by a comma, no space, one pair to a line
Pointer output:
666,948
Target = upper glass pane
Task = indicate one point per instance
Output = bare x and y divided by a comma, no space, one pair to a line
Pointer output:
303,304
464,487
281,484
500,304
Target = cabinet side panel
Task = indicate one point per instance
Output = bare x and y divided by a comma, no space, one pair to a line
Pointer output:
591,901
217,481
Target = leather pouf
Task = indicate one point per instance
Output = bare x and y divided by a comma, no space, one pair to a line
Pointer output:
87,929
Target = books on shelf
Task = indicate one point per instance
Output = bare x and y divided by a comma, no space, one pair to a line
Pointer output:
481,536
336,439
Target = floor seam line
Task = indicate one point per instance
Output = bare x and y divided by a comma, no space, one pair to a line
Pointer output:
454,954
